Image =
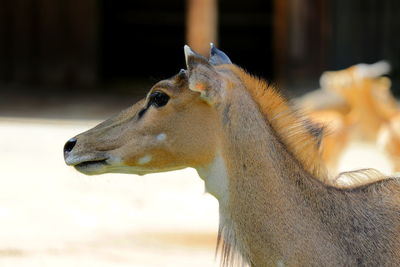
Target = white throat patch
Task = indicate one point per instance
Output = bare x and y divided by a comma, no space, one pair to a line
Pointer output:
215,177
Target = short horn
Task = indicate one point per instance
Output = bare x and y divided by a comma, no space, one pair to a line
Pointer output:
217,57
188,52
192,58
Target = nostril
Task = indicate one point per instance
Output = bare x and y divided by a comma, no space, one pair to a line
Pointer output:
69,145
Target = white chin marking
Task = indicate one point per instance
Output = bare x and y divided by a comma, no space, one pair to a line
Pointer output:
144,160
161,137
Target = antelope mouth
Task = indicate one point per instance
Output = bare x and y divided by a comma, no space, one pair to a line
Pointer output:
92,166
91,163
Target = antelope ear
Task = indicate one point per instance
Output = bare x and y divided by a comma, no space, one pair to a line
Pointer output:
217,57
193,59
202,77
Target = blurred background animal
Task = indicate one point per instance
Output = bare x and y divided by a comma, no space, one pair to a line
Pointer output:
355,104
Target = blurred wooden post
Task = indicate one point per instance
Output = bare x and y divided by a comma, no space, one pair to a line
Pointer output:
280,33
201,24
301,35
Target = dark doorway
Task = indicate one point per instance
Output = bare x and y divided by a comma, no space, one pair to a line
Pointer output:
141,39
245,33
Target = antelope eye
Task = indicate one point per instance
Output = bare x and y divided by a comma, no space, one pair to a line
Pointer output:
158,99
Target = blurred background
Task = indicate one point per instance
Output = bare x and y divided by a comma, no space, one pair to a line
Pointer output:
65,65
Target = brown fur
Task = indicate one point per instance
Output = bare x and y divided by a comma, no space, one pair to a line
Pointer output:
291,127
290,211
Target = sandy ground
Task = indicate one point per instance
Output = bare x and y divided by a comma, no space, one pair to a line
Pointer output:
50,215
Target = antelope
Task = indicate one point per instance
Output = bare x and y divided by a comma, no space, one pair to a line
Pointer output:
367,94
388,140
259,158
353,104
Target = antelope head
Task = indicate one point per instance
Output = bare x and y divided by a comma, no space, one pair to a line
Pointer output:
173,127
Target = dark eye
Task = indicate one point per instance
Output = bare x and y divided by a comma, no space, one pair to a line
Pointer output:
158,99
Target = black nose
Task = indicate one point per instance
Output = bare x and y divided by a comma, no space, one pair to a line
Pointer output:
69,145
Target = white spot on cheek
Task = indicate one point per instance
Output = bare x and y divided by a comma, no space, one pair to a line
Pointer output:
161,137
144,160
